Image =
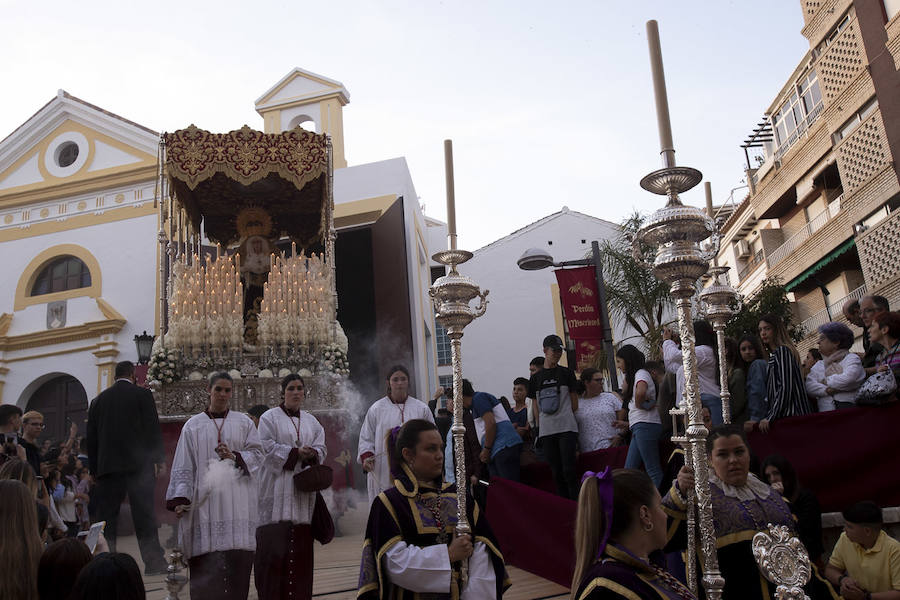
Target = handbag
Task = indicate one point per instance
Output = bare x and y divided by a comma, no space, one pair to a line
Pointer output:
877,389
321,524
313,479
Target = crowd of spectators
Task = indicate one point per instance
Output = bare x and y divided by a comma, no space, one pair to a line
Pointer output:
558,414
47,499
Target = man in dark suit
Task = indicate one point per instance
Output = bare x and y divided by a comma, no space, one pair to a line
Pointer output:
125,455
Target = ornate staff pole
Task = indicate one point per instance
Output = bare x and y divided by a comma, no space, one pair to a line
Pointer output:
451,295
677,230
679,424
719,298
162,255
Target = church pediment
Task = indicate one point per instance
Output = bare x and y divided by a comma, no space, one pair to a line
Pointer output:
71,142
301,87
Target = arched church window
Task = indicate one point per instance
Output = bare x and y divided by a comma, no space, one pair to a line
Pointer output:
61,274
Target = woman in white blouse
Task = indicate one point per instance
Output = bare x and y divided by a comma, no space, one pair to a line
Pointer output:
834,380
597,413
707,352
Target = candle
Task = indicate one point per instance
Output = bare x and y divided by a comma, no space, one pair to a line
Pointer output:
451,196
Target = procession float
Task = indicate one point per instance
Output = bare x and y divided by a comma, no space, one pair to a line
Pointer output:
246,277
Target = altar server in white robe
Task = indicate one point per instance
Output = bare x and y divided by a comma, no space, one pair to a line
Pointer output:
213,490
389,412
292,441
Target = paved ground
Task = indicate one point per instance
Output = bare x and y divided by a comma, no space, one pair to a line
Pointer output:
337,568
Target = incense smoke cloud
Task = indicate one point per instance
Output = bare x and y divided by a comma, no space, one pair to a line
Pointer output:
220,475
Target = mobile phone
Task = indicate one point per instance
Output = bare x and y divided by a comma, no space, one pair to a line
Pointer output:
92,535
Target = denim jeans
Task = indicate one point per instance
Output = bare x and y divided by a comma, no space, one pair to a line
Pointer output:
560,451
714,404
644,448
507,463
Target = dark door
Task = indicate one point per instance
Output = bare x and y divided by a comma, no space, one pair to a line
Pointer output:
62,400
393,333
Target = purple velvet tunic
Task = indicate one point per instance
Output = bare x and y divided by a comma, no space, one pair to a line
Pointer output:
396,516
620,574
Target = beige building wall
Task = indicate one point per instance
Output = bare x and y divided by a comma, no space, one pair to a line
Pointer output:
822,191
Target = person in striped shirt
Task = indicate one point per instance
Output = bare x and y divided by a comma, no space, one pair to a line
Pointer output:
785,387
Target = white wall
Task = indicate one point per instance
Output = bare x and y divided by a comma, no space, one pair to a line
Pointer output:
497,347
126,253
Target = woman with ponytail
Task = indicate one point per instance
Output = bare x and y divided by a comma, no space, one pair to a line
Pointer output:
620,529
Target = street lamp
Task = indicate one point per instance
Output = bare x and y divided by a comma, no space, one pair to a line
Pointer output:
144,344
535,259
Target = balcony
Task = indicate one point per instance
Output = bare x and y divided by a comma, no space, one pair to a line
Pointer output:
800,132
796,240
754,261
811,324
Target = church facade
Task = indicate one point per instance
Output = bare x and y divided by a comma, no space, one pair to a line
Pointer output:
78,236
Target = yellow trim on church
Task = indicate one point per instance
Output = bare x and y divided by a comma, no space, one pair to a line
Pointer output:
359,212
78,221
73,350
108,311
23,298
84,179
309,77
558,320
106,365
62,335
5,322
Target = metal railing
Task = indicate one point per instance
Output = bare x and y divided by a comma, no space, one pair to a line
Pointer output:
811,324
798,133
794,242
757,258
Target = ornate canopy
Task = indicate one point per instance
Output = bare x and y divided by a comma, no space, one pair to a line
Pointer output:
215,176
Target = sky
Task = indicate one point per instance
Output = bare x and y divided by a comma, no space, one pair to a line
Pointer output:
548,104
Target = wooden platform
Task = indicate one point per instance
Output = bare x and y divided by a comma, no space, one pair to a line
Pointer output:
337,569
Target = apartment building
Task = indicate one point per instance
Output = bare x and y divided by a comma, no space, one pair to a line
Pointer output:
821,212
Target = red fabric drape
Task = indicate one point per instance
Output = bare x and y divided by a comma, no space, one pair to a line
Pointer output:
534,527
843,456
540,476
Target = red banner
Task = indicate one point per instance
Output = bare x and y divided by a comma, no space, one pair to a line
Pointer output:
586,354
580,300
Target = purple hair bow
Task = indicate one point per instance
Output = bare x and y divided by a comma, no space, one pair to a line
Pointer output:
605,490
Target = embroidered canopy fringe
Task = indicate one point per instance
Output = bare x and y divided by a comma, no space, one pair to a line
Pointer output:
245,155
215,175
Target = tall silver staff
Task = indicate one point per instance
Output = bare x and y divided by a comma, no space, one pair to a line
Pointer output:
451,295
719,297
720,300
679,430
677,230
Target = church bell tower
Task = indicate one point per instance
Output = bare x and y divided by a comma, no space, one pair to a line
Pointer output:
302,98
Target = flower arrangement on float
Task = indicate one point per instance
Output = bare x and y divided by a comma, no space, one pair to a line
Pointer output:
164,366
334,360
